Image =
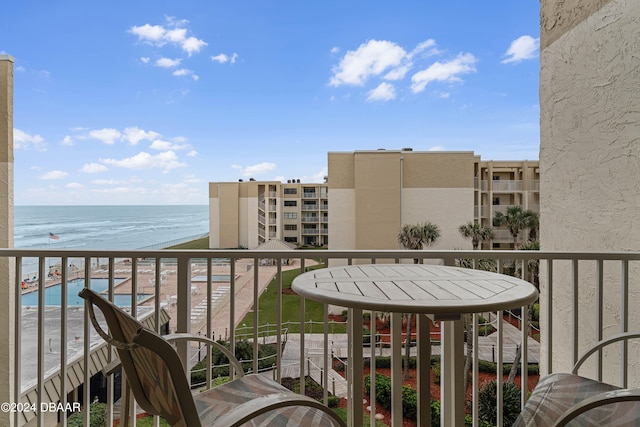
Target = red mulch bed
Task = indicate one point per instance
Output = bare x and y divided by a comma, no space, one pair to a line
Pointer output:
412,381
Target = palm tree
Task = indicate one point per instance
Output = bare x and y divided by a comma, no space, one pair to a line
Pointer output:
415,236
515,219
533,267
533,223
477,232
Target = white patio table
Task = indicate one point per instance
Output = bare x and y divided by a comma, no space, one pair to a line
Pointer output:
445,293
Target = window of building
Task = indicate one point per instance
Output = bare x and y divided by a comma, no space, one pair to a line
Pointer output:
290,215
291,227
291,203
292,239
290,191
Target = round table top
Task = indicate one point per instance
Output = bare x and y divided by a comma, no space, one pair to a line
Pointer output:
443,291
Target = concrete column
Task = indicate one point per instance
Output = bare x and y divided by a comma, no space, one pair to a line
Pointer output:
7,267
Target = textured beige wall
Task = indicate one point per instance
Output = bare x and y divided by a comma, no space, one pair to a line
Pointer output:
249,210
229,220
214,224
340,170
377,183
438,170
342,219
558,17
448,208
590,156
7,267
437,187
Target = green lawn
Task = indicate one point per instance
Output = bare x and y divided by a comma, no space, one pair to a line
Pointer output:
194,244
290,307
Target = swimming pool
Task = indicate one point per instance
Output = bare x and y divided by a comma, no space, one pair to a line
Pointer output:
52,293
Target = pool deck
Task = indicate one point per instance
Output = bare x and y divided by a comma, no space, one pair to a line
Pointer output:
220,291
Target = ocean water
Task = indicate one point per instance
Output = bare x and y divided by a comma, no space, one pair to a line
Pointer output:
106,227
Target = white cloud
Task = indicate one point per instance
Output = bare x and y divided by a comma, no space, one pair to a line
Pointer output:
67,140
177,35
168,62
222,58
149,33
55,174
437,148
369,59
186,72
524,47
106,135
192,153
422,46
166,161
26,141
317,177
444,71
93,168
159,144
145,59
133,135
107,182
193,45
74,186
335,49
191,179
257,169
384,92
174,33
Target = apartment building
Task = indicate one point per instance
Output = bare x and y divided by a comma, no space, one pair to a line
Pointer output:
374,193
500,185
249,213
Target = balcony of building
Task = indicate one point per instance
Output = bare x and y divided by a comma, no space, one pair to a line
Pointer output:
310,230
208,292
309,218
310,207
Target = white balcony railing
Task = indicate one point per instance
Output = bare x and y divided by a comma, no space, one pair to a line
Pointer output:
209,291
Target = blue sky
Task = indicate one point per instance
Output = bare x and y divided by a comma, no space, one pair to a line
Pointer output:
145,102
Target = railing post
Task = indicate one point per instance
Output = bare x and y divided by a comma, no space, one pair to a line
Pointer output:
452,393
183,317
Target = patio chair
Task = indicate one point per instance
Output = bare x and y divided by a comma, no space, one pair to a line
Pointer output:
158,382
561,399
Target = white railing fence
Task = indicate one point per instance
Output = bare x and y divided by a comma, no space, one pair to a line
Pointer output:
579,290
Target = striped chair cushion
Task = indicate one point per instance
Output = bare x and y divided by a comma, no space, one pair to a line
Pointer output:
213,403
556,393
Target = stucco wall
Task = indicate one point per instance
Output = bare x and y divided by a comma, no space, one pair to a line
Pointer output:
590,156
342,219
214,224
448,208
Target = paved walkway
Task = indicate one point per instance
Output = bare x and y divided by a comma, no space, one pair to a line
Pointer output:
314,353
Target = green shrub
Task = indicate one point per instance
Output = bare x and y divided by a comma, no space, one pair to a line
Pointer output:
333,401
244,351
487,405
383,396
491,368
97,416
436,373
536,312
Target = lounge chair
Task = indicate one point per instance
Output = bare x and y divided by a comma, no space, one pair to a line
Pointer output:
158,382
561,399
